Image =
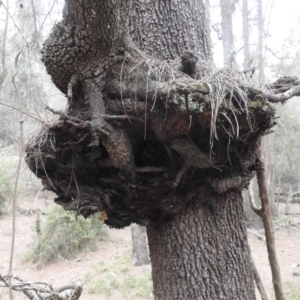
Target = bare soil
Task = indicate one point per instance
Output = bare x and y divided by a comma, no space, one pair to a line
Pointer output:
119,242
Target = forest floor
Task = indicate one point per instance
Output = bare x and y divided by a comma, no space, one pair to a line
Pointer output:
116,248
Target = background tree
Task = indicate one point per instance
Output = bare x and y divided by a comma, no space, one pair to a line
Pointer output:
227,10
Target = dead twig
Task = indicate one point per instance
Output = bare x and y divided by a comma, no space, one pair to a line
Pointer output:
43,290
268,225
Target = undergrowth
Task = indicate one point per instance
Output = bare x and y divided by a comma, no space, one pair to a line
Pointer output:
292,291
118,275
62,236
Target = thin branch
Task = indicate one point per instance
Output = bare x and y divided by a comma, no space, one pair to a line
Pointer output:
268,225
255,207
282,97
25,113
17,177
106,117
15,25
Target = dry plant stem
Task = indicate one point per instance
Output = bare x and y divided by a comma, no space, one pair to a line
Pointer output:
29,115
258,281
268,225
17,176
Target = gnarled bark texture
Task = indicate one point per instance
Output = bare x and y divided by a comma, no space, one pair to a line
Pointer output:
196,258
166,29
143,141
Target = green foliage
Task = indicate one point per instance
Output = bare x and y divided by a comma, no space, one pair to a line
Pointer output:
283,222
118,275
292,291
286,145
62,236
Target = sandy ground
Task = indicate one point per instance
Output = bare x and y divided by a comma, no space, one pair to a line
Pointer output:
119,241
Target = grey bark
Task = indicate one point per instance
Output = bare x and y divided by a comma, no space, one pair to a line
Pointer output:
252,219
166,29
3,72
192,255
246,35
261,29
140,253
227,10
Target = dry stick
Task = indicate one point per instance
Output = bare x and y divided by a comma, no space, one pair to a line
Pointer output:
25,113
18,174
268,224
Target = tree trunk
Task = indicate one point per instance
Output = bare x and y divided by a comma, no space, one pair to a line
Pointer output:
261,31
192,255
142,142
227,10
246,35
140,253
166,29
166,32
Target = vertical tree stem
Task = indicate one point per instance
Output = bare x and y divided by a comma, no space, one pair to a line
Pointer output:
268,225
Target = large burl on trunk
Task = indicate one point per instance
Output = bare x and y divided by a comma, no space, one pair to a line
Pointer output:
162,144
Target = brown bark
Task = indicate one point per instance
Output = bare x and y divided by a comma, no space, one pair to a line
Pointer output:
268,225
192,255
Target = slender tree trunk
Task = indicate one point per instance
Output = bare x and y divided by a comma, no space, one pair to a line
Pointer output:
3,72
192,256
140,253
261,29
246,35
227,10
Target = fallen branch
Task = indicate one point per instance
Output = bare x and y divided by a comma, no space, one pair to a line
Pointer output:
43,290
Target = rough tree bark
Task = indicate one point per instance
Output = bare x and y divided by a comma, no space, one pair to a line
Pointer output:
166,29
227,10
166,32
143,142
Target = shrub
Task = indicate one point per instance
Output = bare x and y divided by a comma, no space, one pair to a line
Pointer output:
118,274
292,291
63,236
